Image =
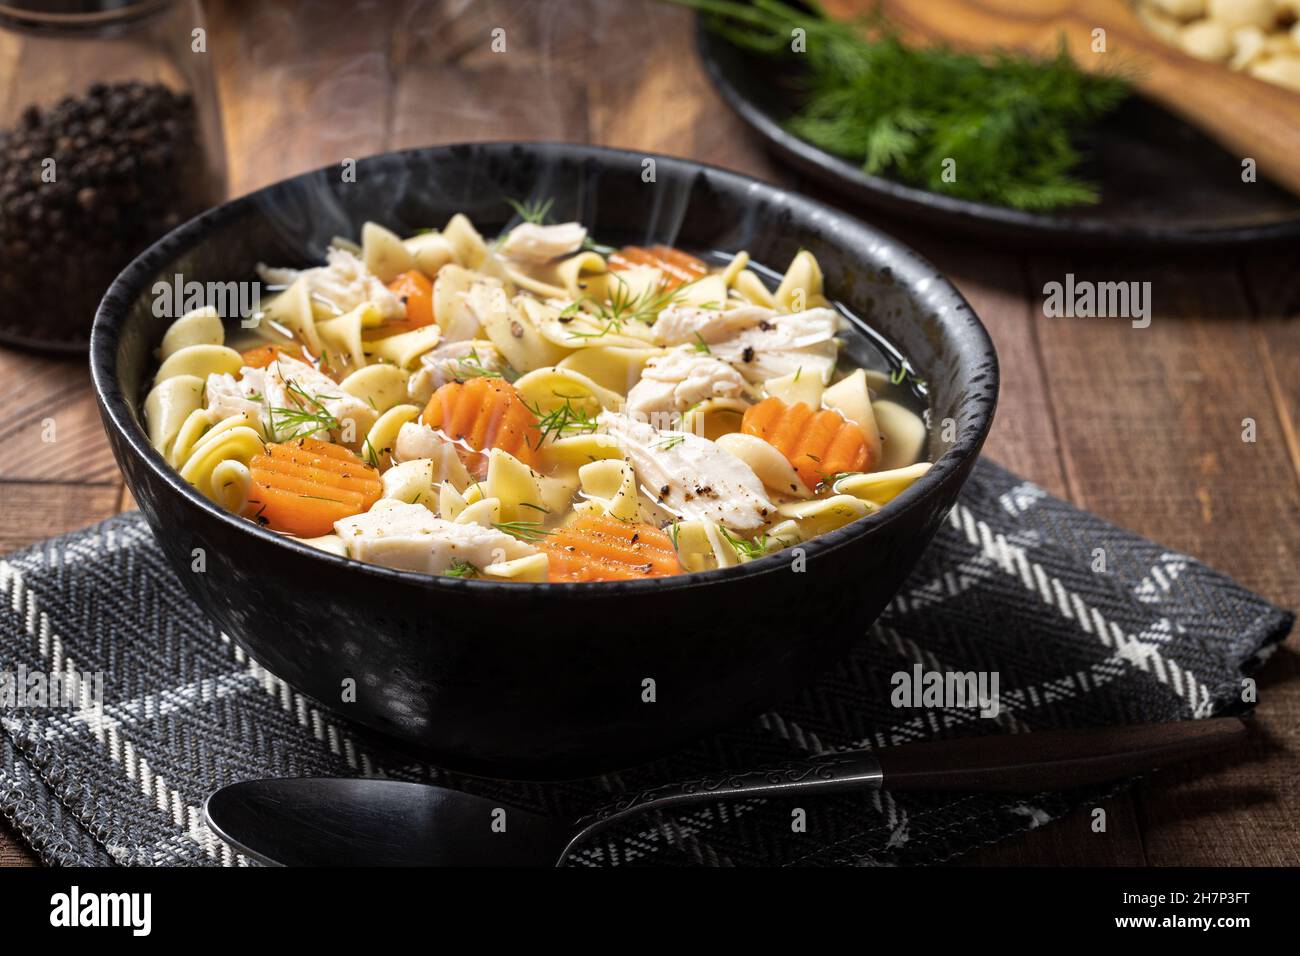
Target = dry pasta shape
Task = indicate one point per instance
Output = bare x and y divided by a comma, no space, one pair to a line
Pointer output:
513,329
200,361
200,327
168,405
431,251
881,487
404,350
380,386
616,369
826,514
383,253
903,434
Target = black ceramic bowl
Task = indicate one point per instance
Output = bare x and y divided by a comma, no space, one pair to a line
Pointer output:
546,680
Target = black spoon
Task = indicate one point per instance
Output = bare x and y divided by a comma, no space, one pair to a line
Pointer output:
334,821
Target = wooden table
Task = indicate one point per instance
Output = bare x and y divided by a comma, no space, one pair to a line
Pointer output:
1141,426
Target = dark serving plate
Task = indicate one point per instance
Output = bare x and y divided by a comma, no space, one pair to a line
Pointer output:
546,680
1162,181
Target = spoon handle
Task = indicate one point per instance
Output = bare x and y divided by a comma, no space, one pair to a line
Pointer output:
1052,759
850,770
1010,763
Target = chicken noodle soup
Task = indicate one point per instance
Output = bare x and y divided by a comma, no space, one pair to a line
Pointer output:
538,407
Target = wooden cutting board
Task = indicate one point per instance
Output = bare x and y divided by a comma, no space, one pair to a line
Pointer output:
1251,118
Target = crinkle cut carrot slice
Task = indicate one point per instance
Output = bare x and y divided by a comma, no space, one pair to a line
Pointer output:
601,548
482,414
678,267
819,444
303,486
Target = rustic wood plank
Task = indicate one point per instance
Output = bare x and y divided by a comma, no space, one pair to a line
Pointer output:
1024,436
1071,841
1151,433
1187,820
13,853
649,91
1152,419
1241,812
31,511
481,104
544,38
302,84
1274,293
49,423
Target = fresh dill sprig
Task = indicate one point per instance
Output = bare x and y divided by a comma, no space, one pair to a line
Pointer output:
671,442
605,329
307,418
623,305
904,374
591,245
644,306
563,420
700,345
460,569
745,550
1003,128
532,211
523,530
471,366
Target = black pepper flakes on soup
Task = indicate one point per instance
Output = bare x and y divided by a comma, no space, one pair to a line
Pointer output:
128,166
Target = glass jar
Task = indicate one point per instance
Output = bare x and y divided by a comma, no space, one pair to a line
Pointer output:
110,135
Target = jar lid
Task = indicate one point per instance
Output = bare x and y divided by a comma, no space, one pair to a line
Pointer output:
73,7
75,13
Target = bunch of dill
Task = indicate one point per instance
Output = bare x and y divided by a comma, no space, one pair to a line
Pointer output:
1004,128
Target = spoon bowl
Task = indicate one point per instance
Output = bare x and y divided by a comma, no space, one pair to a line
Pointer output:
403,824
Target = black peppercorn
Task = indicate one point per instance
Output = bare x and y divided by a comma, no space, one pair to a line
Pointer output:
85,185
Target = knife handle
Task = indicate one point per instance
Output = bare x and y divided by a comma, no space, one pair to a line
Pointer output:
1008,763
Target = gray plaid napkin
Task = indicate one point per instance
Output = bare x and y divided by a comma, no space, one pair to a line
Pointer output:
1085,624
